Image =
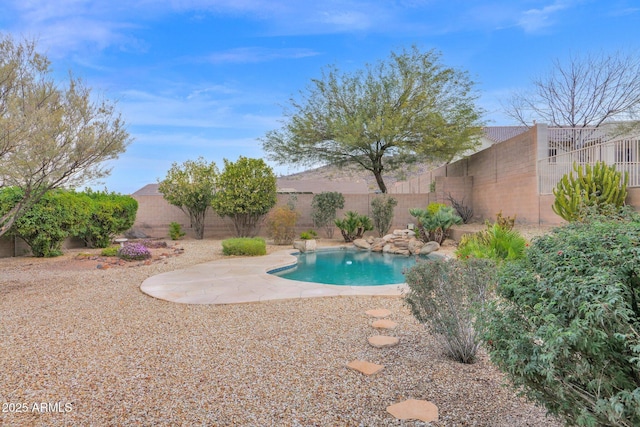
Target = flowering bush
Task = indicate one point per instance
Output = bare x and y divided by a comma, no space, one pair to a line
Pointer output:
134,251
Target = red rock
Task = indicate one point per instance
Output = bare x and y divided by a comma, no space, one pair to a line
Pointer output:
413,409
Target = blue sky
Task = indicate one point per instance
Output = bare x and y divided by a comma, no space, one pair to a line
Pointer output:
209,77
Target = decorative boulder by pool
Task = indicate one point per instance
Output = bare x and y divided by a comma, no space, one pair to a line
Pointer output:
401,242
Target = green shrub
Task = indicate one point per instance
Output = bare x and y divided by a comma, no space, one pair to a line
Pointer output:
566,327
110,251
444,294
323,210
308,235
382,213
175,231
435,226
495,242
598,186
244,246
353,226
281,224
58,215
111,214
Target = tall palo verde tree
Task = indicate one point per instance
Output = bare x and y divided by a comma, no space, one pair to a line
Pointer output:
406,109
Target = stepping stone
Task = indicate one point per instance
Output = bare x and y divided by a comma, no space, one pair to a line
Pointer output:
366,368
413,409
384,324
381,341
379,313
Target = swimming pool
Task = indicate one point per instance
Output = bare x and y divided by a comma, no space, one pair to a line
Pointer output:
349,267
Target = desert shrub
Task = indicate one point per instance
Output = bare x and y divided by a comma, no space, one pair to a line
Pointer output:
308,235
444,295
111,214
382,213
134,251
598,185
465,212
57,215
435,226
244,246
110,251
495,242
281,224
353,226
323,210
565,329
175,231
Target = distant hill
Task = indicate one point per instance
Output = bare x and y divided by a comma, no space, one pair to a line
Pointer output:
349,179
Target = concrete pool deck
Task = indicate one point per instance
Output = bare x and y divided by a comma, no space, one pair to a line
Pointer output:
245,279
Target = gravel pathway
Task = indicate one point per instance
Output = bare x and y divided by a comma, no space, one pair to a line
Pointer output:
94,350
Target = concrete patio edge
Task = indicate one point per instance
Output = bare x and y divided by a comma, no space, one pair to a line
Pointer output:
245,279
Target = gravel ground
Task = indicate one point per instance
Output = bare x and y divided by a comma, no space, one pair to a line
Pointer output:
87,344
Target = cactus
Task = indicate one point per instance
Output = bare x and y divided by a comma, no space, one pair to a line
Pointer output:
593,186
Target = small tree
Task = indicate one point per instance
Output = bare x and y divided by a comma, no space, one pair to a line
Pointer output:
434,226
382,213
353,226
247,191
323,210
52,136
191,188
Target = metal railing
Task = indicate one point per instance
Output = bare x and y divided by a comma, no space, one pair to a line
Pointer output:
624,153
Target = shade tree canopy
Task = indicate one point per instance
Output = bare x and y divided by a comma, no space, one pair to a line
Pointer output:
407,108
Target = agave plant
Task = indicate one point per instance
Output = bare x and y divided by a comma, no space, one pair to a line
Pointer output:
353,225
435,226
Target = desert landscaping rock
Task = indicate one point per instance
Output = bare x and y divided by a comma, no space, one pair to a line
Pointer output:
384,324
383,341
429,247
413,409
75,334
362,244
364,367
379,313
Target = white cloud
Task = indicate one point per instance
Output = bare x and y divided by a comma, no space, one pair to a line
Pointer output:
533,20
257,54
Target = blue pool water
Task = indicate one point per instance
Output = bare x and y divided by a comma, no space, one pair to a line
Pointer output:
349,267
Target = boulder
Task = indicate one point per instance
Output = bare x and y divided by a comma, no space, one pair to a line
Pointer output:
429,247
370,239
415,245
362,244
377,245
388,237
387,248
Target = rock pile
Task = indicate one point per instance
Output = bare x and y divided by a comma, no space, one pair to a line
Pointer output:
401,242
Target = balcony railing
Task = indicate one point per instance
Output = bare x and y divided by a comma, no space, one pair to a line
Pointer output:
623,153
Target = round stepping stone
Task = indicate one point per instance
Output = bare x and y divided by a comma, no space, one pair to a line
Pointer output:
366,368
384,324
379,313
381,341
413,409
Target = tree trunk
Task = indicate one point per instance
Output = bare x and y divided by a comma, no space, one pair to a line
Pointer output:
380,181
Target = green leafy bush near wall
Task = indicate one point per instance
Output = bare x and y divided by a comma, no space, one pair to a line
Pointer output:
566,328
281,224
434,227
58,215
244,246
111,214
323,210
382,213
175,231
